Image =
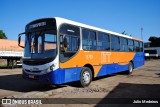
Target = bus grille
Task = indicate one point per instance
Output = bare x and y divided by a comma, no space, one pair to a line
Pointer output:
32,71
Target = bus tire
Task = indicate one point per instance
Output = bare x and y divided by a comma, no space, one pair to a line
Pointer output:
130,68
86,76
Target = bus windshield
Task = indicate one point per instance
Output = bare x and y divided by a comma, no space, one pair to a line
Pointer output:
41,44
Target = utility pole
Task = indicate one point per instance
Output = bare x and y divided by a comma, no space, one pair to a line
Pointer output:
142,33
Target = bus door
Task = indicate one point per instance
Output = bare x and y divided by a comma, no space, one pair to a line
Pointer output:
69,42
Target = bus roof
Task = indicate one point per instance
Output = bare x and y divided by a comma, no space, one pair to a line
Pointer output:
62,20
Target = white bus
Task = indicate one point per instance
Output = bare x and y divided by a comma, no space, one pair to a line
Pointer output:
58,50
152,52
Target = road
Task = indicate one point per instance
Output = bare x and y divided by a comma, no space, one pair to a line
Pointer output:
143,83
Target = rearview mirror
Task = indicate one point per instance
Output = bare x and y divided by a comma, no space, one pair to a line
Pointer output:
19,40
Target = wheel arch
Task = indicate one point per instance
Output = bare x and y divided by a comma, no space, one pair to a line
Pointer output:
132,63
91,68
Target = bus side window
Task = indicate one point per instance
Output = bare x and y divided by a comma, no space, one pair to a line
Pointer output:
69,41
89,39
115,43
61,39
137,46
63,43
103,41
141,46
130,45
124,44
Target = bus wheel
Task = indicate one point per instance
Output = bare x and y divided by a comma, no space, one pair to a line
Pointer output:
130,68
86,76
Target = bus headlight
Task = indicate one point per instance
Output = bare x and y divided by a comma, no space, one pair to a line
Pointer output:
52,67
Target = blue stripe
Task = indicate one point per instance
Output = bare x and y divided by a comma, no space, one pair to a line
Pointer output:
58,76
111,68
138,61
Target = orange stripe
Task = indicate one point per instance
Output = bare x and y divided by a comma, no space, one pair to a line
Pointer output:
98,58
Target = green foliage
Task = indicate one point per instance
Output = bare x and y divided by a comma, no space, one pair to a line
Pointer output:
2,35
155,41
124,33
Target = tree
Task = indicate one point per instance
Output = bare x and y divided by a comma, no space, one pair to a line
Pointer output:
155,41
124,33
2,35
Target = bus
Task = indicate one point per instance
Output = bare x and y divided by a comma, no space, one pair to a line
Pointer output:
59,50
152,52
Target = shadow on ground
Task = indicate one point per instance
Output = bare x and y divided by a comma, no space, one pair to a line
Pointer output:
127,91
16,83
78,85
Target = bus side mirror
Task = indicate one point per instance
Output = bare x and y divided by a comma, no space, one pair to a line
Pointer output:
19,40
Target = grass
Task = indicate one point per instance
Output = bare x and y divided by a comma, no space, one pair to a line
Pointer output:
3,65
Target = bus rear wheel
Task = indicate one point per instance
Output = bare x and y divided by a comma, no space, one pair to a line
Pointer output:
130,68
86,76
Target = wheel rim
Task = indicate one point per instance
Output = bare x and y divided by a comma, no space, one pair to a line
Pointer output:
86,77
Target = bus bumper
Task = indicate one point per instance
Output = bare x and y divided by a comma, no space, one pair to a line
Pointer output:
58,76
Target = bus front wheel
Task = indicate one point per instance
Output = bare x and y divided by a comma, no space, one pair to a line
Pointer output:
86,76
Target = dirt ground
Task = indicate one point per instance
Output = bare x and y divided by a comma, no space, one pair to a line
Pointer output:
143,83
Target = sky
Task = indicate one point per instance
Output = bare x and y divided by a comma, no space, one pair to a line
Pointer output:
114,15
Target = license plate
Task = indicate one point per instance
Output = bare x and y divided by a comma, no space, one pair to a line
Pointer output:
31,76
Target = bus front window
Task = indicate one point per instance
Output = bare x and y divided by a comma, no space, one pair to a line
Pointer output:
41,45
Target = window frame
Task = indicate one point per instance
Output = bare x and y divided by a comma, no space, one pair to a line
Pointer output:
135,48
122,44
78,36
114,42
89,40
141,48
131,45
108,42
